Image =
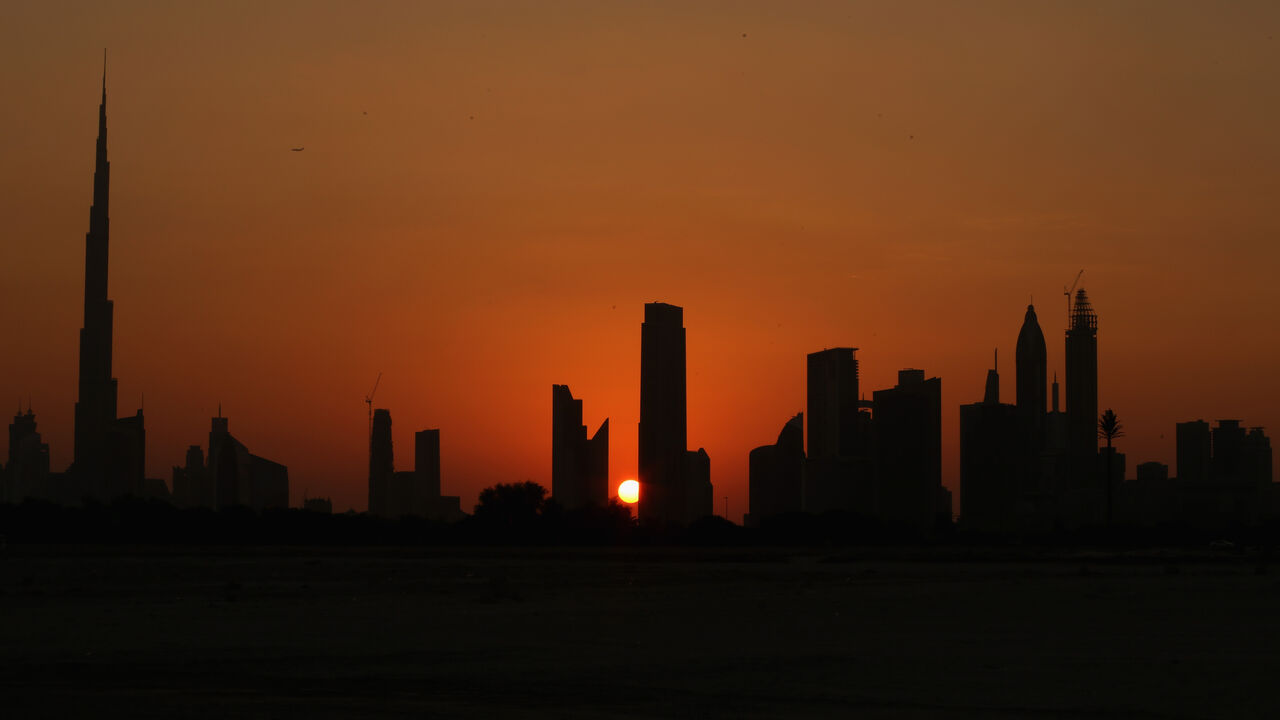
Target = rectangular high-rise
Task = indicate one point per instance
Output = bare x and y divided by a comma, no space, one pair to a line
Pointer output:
838,470
908,420
426,461
381,463
663,463
1194,453
833,403
990,481
1228,452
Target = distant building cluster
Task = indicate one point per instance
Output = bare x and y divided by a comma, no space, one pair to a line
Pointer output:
319,505
110,452
1025,467
416,493
675,482
1223,478
879,459
1027,470
232,476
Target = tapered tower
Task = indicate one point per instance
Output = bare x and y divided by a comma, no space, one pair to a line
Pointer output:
1032,363
96,404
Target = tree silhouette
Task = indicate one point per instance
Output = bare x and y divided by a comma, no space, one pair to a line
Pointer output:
511,507
1109,428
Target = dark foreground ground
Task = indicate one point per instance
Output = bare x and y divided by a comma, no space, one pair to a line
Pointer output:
635,633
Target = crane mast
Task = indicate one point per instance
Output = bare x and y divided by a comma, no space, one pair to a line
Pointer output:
1068,293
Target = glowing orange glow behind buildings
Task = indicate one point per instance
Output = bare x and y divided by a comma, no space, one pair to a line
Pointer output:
490,193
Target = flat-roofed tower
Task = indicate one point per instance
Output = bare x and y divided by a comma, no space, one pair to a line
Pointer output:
663,415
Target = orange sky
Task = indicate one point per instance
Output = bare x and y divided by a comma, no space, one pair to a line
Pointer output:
899,177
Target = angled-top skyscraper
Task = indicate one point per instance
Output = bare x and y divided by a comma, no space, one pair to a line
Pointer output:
579,467
108,453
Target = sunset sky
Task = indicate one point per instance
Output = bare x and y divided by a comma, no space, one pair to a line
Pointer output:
490,192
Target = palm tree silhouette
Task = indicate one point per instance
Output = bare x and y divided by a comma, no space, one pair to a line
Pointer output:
1109,428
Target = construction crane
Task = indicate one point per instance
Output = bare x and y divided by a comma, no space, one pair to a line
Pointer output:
1068,293
369,401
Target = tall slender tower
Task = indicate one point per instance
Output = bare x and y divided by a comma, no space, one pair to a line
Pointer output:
96,407
1032,369
381,464
663,415
1082,392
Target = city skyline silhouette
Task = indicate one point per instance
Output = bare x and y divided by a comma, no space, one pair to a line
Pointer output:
230,296
935,343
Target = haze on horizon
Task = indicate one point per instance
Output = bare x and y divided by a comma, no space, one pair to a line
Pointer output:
490,192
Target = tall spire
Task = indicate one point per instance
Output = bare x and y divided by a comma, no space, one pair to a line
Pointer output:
96,403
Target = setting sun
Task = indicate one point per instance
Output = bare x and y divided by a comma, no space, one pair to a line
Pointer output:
629,492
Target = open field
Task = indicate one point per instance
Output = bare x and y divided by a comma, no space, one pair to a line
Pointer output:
472,632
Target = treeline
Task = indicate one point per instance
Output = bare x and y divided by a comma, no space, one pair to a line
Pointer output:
522,514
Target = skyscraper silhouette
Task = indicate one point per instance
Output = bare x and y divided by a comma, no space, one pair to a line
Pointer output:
426,461
908,428
395,494
579,467
664,462
1082,410
28,467
1032,370
990,461
838,474
96,408
108,454
833,403
776,474
381,462
240,477
1194,452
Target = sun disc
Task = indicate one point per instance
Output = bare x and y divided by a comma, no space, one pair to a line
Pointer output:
629,491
